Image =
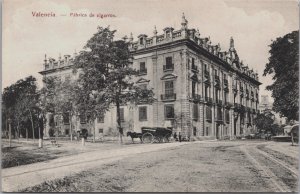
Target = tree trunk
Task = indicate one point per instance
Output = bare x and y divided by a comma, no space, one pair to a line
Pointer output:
71,129
119,121
26,134
94,136
40,135
18,130
9,133
32,126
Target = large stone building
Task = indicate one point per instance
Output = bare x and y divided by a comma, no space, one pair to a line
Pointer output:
200,90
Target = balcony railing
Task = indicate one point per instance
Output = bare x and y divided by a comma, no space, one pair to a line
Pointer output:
228,105
142,72
168,67
206,73
237,107
196,97
167,97
194,68
225,83
242,92
208,100
219,102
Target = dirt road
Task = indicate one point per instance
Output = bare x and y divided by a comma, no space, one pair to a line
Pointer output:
216,166
18,178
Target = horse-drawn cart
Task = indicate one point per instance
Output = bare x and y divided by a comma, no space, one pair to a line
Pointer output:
156,134
152,134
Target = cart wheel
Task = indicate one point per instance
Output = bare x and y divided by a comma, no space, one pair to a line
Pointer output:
166,139
147,138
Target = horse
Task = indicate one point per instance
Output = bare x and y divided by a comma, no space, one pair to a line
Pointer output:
134,135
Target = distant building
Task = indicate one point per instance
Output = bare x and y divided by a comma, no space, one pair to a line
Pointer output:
201,91
267,105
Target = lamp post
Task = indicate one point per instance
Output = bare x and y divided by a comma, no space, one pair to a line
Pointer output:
9,131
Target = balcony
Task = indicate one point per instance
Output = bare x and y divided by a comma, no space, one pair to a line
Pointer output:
196,97
247,95
219,102
206,74
248,109
194,68
241,92
225,84
142,72
234,89
228,105
217,82
237,107
168,97
168,67
208,100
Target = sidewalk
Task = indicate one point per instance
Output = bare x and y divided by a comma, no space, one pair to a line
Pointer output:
18,178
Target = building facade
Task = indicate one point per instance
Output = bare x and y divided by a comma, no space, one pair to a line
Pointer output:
200,90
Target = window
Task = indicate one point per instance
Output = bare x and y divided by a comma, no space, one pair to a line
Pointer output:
141,41
66,118
67,131
206,131
143,113
143,86
67,78
100,119
121,114
168,34
143,67
219,114
193,61
169,87
206,92
216,72
194,131
169,111
169,64
208,114
227,119
195,112
225,97
82,118
193,88
100,130
217,94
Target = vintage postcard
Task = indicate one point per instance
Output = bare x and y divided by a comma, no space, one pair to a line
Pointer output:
150,96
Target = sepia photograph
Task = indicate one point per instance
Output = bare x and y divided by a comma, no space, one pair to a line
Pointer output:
150,96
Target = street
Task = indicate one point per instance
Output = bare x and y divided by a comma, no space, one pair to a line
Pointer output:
203,166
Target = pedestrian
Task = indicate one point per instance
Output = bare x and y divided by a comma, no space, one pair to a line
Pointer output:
179,136
175,136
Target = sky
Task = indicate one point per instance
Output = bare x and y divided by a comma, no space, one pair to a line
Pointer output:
253,24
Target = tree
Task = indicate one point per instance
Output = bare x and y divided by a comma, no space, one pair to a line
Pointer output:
284,67
106,77
264,121
54,98
20,101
